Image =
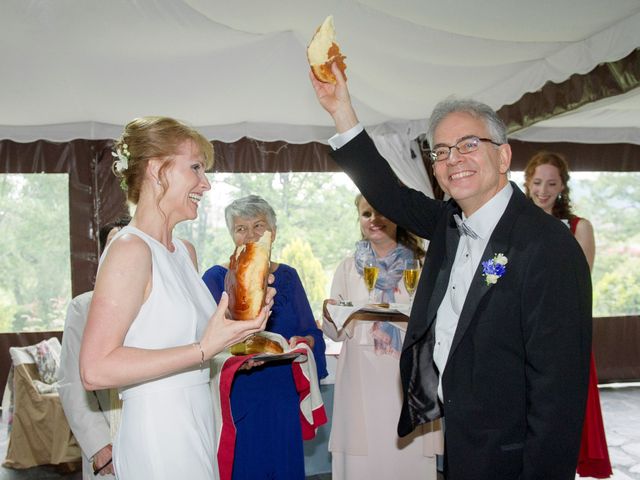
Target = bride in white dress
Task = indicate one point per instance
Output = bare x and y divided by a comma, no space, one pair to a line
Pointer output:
153,326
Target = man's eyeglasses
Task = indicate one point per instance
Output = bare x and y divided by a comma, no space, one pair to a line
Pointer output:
464,146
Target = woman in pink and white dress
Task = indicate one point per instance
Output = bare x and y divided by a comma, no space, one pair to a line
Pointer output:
367,400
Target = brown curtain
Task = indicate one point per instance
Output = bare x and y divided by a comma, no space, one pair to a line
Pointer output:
582,157
606,80
95,198
249,155
615,348
94,195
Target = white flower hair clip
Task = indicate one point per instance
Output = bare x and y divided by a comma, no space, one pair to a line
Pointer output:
122,155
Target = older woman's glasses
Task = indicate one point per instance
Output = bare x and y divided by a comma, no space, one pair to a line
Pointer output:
466,145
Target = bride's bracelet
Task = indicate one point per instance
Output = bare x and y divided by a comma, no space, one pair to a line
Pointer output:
197,345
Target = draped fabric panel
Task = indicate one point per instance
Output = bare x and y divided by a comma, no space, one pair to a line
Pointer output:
94,193
95,197
396,146
248,155
240,71
615,348
605,80
582,157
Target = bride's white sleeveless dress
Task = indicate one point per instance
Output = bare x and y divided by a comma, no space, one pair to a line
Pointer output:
166,429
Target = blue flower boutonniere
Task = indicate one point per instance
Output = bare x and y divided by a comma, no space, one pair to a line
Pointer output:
494,268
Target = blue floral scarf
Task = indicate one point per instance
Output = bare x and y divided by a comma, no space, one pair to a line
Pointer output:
391,267
386,337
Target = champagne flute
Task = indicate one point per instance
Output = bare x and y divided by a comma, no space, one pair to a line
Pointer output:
410,275
370,275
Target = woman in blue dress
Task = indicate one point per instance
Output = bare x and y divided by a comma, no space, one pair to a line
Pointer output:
264,400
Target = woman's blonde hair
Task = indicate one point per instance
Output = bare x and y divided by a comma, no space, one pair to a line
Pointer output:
403,237
154,137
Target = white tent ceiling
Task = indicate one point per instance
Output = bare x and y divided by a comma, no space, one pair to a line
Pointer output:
82,69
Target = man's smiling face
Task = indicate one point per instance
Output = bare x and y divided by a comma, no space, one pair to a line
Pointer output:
472,179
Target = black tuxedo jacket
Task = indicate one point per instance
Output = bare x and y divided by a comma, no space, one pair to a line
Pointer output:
515,382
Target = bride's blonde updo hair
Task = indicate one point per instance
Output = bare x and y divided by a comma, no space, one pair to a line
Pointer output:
152,137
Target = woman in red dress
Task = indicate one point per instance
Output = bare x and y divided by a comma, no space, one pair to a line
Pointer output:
546,183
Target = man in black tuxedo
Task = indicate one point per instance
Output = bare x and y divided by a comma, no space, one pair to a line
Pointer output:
500,331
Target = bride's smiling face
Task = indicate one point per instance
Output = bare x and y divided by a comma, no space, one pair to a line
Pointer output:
186,182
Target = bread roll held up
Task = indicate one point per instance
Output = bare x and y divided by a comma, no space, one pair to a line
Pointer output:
246,280
323,51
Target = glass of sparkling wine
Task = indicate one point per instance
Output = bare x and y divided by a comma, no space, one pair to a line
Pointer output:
410,275
370,275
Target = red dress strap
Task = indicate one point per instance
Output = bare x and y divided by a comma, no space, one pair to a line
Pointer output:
573,224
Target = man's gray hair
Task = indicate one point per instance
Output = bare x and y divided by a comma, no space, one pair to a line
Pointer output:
495,125
249,207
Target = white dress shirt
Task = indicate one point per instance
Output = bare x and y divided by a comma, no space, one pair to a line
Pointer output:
468,257
341,139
